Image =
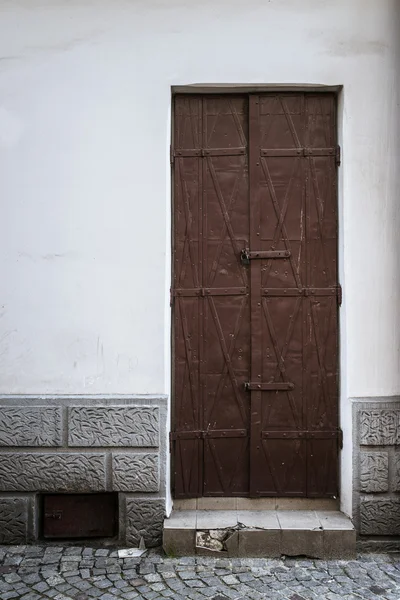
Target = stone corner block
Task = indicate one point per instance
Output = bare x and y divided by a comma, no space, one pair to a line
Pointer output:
30,426
144,518
374,472
379,427
13,520
380,516
135,472
52,472
114,426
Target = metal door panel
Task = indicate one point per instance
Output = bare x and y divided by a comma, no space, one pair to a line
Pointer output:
255,295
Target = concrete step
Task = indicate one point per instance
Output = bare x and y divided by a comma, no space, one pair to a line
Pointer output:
264,533
275,503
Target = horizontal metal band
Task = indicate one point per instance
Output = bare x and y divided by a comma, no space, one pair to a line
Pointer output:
201,152
210,292
277,435
268,387
236,291
242,150
241,433
212,433
331,291
298,152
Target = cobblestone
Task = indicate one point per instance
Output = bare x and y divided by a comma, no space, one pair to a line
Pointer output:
77,573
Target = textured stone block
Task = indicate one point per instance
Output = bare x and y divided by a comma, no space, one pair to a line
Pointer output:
396,472
135,472
30,426
379,427
380,516
52,472
374,472
378,545
13,520
113,426
144,518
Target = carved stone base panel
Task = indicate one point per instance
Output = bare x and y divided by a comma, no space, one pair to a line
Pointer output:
54,472
135,472
36,426
71,444
376,470
380,516
114,426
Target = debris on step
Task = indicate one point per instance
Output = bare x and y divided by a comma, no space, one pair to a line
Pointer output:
218,534
213,539
204,540
243,526
130,552
142,545
133,552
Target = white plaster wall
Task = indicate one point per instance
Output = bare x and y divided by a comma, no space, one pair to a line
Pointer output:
85,189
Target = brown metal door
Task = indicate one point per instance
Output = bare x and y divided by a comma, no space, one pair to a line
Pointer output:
255,296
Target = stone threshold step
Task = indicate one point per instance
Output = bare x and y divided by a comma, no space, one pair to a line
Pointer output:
272,533
275,503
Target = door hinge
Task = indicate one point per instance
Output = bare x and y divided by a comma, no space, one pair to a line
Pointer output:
170,442
171,296
338,156
340,439
339,294
171,155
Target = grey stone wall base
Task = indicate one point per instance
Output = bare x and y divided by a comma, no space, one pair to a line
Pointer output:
78,444
376,470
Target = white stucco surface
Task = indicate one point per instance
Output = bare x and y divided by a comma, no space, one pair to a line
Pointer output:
85,93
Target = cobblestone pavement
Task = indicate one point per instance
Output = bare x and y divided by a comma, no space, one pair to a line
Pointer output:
36,572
